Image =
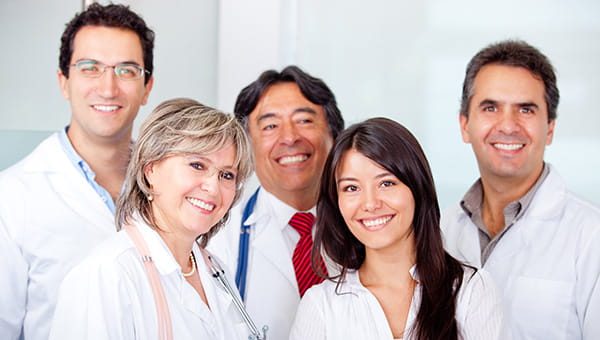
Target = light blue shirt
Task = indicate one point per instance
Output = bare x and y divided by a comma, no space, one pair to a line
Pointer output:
84,169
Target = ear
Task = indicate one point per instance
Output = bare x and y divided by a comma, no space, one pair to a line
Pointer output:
148,88
463,121
550,133
63,82
149,173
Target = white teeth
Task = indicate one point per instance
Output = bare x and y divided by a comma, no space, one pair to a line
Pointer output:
508,146
106,108
371,223
293,159
200,204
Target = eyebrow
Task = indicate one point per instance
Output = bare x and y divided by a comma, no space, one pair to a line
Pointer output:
99,62
486,102
381,175
198,157
301,109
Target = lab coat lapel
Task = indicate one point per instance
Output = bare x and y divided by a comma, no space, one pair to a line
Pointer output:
271,245
74,189
468,244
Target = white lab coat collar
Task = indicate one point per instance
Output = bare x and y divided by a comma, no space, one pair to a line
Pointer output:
161,255
269,206
218,299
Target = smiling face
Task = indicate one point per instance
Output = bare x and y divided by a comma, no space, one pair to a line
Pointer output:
290,140
376,206
192,192
103,109
508,124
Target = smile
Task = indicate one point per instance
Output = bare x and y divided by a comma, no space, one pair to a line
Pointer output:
292,159
376,224
508,147
200,204
106,108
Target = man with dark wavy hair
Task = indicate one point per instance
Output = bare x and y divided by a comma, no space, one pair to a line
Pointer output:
292,119
58,202
519,221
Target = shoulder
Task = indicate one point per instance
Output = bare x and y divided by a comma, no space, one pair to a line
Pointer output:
451,217
109,262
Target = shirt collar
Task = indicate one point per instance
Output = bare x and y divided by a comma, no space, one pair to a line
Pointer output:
472,200
161,255
269,206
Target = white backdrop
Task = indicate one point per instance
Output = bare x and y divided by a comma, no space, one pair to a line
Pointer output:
400,59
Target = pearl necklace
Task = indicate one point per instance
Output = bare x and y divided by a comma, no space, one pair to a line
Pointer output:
193,262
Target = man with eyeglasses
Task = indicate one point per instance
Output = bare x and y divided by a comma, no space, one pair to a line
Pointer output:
59,201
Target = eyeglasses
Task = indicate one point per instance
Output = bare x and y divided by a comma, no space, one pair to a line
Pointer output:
94,69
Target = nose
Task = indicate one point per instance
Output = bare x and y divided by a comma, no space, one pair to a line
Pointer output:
508,122
210,181
289,133
108,83
370,200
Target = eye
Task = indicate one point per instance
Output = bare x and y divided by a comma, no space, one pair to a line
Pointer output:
88,67
198,166
387,183
269,127
305,121
489,108
526,109
128,70
228,175
350,188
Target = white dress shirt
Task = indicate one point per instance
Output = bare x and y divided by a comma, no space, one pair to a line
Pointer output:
355,313
50,217
271,291
546,266
108,296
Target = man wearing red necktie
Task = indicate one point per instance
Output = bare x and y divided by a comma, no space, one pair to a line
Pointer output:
292,119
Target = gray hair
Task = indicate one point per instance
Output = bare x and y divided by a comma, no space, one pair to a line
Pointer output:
180,126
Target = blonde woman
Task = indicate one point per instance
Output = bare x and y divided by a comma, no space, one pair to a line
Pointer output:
187,169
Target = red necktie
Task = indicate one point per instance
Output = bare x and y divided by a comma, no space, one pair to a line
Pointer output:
305,276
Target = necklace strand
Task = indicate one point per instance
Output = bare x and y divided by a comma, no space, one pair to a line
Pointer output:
193,262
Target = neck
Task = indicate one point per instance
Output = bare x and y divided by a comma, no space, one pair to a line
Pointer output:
500,192
179,247
302,200
390,267
108,159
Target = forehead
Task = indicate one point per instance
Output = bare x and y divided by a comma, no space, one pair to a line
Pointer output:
508,82
355,163
283,98
107,44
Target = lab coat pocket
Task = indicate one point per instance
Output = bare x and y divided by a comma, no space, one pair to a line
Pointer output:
539,308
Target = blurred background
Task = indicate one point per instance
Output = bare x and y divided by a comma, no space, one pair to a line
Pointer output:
394,58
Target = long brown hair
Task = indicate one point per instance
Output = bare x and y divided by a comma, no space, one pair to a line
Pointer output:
393,147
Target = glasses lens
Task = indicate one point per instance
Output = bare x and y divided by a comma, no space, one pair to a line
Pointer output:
129,71
89,68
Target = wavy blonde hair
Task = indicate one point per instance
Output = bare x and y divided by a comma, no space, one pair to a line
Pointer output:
180,126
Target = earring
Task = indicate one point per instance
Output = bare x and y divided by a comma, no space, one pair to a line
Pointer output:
150,197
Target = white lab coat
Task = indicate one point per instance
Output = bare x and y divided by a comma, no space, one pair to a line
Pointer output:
271,291
50,217
547,266
109,296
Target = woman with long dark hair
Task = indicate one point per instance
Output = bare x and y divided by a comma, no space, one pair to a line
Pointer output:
378,219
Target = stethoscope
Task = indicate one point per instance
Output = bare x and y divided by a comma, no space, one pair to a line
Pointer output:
165,328
244,245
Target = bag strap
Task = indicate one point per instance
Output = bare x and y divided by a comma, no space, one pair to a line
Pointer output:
165,328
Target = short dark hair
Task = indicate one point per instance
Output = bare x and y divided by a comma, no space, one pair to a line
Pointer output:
314,89
393,147
117,16
513,53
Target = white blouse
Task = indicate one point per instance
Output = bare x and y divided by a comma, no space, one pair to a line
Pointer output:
108,296
355,313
